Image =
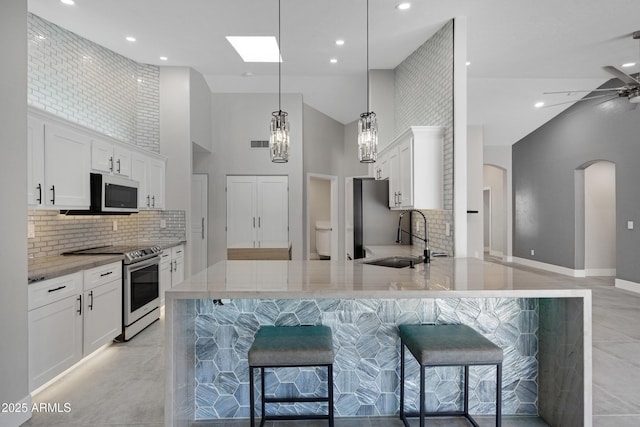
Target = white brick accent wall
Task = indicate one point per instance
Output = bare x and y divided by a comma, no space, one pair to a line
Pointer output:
424,96
88,84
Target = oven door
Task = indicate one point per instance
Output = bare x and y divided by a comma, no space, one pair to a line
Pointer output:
141,289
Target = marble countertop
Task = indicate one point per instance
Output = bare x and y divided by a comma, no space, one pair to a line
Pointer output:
55,266
44,268
442,278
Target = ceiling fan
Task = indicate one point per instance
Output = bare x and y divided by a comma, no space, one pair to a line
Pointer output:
630,89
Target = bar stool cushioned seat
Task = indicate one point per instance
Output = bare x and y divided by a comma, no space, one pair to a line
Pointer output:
448,345
291,346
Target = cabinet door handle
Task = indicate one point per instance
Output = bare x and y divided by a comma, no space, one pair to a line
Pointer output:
254,223
39,199
259,221
111,164
203,227
118,165
153,201
91,301
53,191
106,274
175,265
56,289
79,310
148,204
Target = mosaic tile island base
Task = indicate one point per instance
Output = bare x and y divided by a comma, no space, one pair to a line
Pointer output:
544,330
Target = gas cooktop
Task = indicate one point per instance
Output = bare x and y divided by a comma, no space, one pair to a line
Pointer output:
131,253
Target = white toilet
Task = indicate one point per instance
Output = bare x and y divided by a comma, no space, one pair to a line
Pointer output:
323,239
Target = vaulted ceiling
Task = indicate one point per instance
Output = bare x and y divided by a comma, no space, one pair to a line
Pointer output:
517,50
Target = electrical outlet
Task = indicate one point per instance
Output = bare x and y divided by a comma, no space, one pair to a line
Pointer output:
533,252
447,229
31,230
163,223
629,225
115,225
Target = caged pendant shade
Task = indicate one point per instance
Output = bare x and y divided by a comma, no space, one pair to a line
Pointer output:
367,125
279,138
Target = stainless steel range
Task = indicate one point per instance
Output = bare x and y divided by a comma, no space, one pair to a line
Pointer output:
141,287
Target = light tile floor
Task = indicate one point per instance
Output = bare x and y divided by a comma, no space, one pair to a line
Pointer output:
123,385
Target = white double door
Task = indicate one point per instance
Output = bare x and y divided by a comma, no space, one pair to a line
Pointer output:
257,211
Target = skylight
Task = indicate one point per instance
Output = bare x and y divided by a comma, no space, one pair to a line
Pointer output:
256,49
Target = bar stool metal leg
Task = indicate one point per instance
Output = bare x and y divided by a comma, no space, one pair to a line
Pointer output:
499,395
252,398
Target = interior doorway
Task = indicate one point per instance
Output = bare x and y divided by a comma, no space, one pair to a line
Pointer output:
596,212
322,216
486,219
495,210
199,227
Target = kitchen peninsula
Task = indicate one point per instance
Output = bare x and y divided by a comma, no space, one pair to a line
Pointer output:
543,326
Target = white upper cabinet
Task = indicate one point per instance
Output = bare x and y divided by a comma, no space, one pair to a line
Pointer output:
67,157
108,158
57,167
150,174
415,168
35,161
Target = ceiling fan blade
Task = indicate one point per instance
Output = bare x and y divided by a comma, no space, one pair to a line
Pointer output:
624,77
613,89
583,99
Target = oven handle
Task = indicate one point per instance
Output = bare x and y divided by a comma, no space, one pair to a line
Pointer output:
142,264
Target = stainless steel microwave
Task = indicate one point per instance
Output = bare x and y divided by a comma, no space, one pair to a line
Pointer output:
113,194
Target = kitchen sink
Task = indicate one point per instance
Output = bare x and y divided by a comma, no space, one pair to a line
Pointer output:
396,261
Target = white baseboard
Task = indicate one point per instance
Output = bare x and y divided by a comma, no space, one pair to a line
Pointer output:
16,418
498,254
601,272
549,267
627,285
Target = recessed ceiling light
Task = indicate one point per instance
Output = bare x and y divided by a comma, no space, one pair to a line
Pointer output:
68,2
468,63
539,104
403,6
130,39
164,58
256,49
340,42
629,64
333,60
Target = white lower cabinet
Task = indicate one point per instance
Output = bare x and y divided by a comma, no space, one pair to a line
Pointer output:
171,269
55,327
70,317
102,300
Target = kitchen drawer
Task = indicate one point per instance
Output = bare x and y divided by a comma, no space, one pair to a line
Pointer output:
165,256
177,252
52,290
100,275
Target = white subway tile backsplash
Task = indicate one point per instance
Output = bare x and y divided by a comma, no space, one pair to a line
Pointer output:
88,84
423,96
56,233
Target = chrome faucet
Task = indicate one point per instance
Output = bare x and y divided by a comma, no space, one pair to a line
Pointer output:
427,251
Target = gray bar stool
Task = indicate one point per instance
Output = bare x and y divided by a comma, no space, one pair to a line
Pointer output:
448,345
291,346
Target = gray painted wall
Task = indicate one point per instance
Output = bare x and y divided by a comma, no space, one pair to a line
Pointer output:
543,181
13,215
236,120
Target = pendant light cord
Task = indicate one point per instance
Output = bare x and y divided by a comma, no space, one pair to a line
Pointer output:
367,56
280,62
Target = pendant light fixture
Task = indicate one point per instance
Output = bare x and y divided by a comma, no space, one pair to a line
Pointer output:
279,139
367,125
